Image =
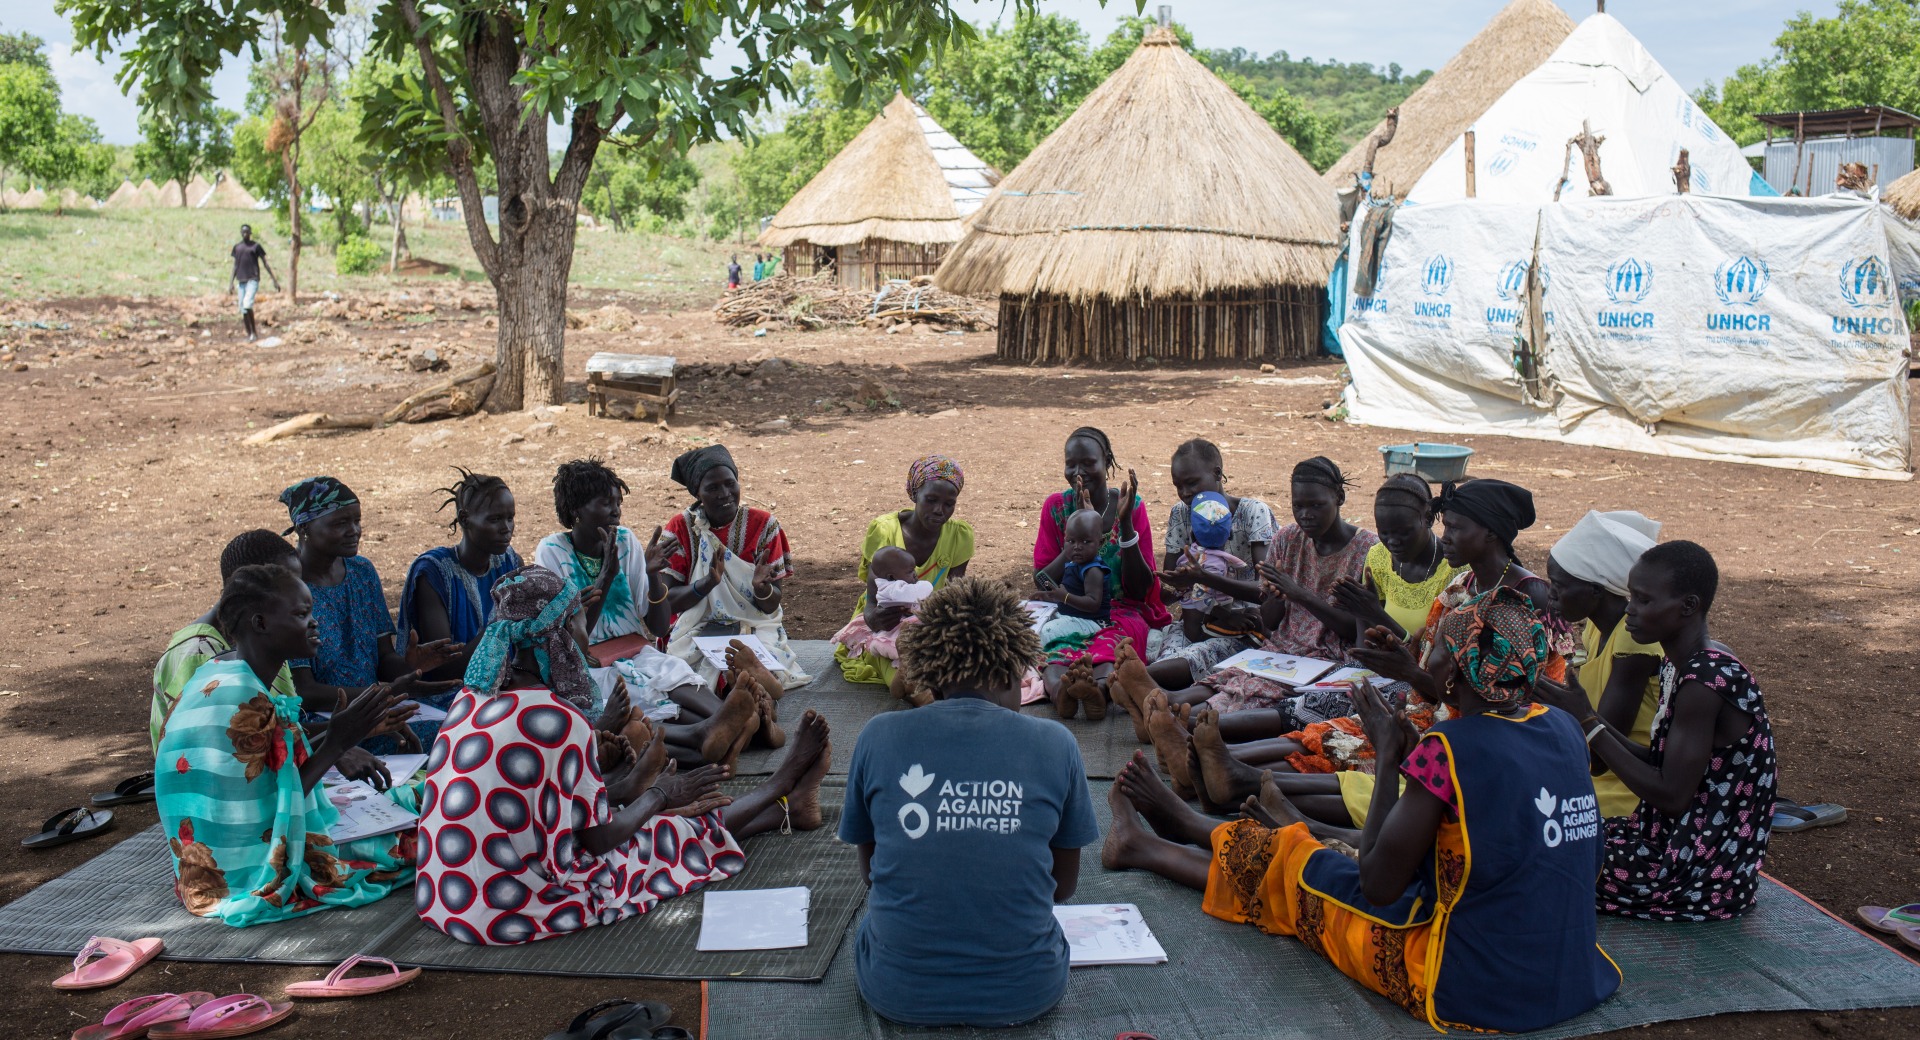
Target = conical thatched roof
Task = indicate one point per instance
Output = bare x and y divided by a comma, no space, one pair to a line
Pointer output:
1162,183
1904,196
170,193
31,200
902,179
122,196
1514,43
228,194
147,195
197,189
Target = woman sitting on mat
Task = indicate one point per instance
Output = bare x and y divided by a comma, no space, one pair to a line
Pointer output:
941,547
237,781
534,824
1406,569
356,631
449,589
969,818
1468,903
202,640
1076,673
623,598
724,569
1180,661
1693,848
1306,560
1588,571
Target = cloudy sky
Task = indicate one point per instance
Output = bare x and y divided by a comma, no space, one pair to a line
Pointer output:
1698,43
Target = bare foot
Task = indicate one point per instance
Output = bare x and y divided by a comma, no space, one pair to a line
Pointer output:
1227,779
743,661
805,799
1171,747
771,734
638,730
1130,685
1124,836
1169,817
652,760
1078,688
729,730
1275,808
809,743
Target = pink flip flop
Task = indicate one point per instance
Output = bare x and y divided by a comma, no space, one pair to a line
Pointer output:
336,984
237,1015
134,1017
105,960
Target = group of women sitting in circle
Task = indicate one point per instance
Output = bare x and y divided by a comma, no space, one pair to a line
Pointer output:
553,798
1613,755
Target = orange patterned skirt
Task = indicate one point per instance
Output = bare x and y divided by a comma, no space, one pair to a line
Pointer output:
1255,879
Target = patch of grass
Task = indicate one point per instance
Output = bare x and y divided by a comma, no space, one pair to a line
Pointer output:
175,252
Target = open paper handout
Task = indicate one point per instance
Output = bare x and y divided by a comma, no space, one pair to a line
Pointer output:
1285,669
1108,933
753,919
364,812
714,649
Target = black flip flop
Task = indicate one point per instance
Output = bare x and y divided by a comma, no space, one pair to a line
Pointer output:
65,826
670,1033
610,1019
132,789
1789,819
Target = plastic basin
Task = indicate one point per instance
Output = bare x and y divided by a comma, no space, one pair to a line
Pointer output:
1438,463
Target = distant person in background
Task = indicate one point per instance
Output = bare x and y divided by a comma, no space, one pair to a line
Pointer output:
248,258
733,271
759,267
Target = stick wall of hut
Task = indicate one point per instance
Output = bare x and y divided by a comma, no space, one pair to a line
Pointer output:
1260,324
868,265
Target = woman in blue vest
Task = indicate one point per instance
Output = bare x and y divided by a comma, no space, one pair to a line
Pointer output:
1470,902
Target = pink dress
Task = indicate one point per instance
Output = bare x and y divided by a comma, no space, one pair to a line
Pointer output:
1130,618
1299,633
512,778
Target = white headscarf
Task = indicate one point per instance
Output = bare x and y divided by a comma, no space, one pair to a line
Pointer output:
1603,547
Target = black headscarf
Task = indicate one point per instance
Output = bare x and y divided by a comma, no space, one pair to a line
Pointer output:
691,467
1502,508
1097,436
314,498
1322,471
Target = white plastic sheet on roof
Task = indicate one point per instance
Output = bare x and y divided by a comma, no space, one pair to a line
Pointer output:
968,179
1758,330
1602,75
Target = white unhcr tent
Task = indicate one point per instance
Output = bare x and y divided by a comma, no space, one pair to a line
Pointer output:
1602,76
1745,329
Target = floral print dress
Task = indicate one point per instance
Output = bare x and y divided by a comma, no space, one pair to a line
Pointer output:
249,843
1704,864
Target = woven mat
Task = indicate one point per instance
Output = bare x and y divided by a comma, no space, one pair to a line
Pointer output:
1230,982
128,891
1105,746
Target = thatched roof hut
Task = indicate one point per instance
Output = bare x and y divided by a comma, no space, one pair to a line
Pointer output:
197,190
1164,218
1904,196
887,206
1514,43
123,197
228,194
147,196
32,199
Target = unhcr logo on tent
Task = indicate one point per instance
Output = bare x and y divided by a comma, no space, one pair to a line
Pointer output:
1502,162
1629,281
1436,277
1511,286
1740,281
1865,283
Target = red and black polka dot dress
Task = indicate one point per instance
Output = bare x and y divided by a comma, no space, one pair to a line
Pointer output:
511,780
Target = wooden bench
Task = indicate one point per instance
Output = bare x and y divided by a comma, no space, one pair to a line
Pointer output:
648,377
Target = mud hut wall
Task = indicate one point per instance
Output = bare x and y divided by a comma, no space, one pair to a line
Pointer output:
1261,324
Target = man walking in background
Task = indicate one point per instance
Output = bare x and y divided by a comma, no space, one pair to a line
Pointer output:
248,258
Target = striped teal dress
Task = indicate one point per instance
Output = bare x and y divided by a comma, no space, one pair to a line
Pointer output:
249,845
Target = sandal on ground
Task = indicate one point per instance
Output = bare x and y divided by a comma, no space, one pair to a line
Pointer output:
1790,818
631,1019
1909,934
129,791
1889,920
69,825
336,984
134,1017
105,960
670,1033
237,1015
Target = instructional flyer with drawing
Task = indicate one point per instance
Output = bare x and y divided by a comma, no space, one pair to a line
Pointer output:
1108,933
365,812
1284,669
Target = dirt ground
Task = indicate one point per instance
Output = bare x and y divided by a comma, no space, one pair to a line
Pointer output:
123,477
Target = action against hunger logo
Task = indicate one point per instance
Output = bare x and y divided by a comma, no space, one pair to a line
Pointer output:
960,805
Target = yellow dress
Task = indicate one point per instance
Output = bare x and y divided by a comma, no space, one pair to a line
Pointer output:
1406,602
1615,799
954,549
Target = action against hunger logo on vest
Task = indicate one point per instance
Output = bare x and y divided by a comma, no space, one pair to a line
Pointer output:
992,806
1567,820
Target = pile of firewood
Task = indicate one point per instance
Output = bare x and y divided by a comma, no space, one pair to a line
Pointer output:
816,302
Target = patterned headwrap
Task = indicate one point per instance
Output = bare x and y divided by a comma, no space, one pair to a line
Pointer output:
314,498
1497,643
1322,471
531,608
692,466
929,468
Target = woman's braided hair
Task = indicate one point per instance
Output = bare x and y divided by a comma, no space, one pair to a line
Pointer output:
467,493
973,634
248,592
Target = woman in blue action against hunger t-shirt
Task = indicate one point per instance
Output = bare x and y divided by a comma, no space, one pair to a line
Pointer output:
969,817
